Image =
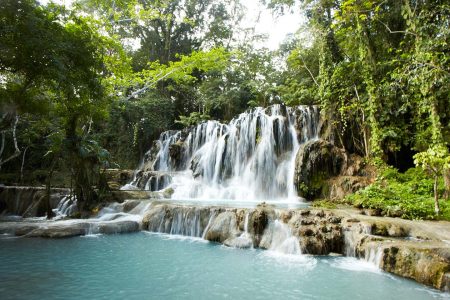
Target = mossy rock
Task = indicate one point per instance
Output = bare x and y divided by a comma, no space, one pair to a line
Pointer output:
316,162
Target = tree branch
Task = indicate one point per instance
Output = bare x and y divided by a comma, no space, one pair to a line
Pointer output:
397,31
16,147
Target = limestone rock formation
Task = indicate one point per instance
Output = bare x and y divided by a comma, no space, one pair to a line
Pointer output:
28,201
316,162
223,227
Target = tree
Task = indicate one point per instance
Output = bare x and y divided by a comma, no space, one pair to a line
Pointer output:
54,61
436,160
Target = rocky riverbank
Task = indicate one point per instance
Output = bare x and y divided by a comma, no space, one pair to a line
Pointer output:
419,250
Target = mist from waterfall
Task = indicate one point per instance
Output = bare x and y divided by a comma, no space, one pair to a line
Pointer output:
251,158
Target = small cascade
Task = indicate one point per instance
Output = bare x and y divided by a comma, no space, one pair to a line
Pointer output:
278,238
251,158
66,207
372,252
117,211
282,239
353,236
210,220
245,239
187,221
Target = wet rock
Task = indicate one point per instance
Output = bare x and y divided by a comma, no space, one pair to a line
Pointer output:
372,212
387,229
259,220
428,266
319,213
28,201
120,196
305,212
176,154
307,222
130,205
116,178
316,162
167,193
395,213
223,227
306,231
242,242
150,156
197,171
117,227
353,220
334,220
65,229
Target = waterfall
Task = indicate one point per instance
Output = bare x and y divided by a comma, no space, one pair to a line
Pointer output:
282,240
353,236
66,207
187,221
245,239
250,158
374,254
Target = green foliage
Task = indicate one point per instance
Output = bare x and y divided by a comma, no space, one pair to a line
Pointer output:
132,125
380,70
324,204
193,119
435,160
408,195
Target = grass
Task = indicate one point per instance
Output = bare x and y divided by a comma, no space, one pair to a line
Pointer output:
408,195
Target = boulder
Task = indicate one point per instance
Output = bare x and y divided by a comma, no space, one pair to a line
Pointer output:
422,263
316,162
243,242
258,221
223,227
150,156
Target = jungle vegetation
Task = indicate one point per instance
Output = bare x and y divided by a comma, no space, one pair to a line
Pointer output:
88,87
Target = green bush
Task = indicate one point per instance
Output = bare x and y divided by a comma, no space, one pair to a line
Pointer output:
408,195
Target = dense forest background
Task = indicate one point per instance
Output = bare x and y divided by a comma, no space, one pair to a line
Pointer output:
90,86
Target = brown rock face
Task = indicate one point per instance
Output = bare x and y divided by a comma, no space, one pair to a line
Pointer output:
316,162
420,262
259,220
223,227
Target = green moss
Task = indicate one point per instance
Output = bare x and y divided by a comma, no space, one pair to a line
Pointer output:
324,204
315,186
408,195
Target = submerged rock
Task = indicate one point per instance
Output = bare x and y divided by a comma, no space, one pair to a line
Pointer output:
64,229
242,242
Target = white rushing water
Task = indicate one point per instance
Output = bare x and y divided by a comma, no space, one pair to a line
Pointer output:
66,207
251,158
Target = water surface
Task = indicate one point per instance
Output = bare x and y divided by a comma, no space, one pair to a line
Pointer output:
152,266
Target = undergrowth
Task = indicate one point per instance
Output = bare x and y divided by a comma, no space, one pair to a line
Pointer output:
407,195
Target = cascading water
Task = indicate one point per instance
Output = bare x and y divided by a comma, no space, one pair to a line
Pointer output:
66,207
251,158
278,238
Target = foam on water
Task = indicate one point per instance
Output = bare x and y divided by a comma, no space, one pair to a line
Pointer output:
354,264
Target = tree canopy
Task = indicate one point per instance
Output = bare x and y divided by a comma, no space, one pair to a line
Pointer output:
91,85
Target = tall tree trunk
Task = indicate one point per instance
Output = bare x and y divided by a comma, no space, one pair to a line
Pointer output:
436,196
447,184
48,206
80,167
